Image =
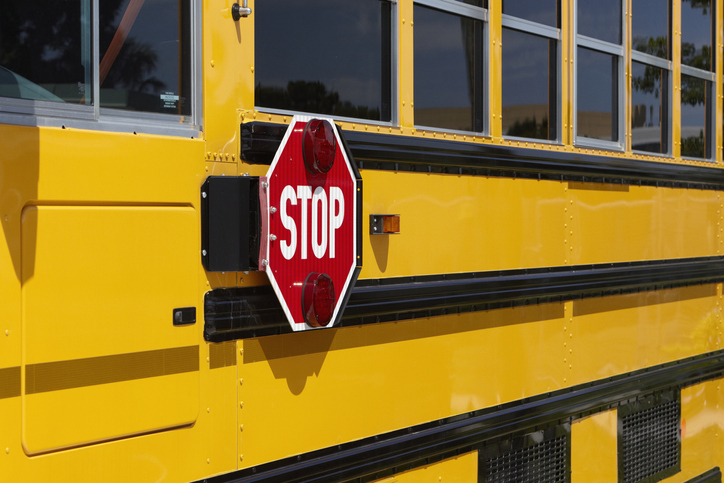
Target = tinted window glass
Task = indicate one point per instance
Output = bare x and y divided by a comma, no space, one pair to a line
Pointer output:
445,80
149,67
477,3
332,58
650,27
540,11
696,33
648,108
597,95
529,85
600,19
45,50
695,125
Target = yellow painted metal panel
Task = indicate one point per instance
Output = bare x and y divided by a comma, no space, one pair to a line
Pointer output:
102,283
460,469
495,68
617,334
567,76
177,455
228,73
90,414
67,165
462,224
105,280
614,223
702,428
594,448
676,73
323,388
406,58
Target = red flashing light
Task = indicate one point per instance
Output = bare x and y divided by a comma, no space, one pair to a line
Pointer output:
319,146
318,299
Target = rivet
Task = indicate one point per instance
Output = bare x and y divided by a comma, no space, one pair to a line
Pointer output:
212,63
241,352
203,194
241,381
241,405
252,68
208,410
241,457
208,359
265,262
208,461
7,332
7,450
203,252
241,427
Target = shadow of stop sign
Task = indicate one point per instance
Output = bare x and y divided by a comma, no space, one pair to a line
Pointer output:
310,202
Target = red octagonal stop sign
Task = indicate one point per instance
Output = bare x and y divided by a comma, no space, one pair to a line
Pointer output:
309,205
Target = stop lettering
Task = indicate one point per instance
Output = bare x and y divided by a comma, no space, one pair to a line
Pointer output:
324,221
309,203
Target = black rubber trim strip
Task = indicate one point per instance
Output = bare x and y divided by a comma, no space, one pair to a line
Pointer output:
402,153
711,476
469,431
239,313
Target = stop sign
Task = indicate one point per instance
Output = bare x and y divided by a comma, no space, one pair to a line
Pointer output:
309,205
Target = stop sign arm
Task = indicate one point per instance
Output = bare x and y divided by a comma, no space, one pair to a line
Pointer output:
310,243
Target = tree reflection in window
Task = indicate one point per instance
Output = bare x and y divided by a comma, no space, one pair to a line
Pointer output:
45,53
148,68
695,117
696,33
649,108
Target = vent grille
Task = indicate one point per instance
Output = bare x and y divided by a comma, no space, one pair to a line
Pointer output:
650,438
542,457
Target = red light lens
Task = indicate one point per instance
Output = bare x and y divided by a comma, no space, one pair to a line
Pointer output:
318,299
319,146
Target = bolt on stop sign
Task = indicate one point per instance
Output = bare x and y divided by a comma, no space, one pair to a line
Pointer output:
310,229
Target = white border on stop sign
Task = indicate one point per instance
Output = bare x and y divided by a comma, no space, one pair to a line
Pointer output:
264,249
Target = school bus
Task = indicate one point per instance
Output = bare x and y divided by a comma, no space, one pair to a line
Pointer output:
533,257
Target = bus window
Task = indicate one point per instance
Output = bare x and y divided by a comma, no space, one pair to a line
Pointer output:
695,117
530,83
599,73
649,108
145,55
45,52
697,78
324,57
650,76
448,70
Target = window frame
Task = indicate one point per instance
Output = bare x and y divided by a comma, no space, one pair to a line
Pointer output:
710,110
665,64
482,15
28,112
619,51
551,33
